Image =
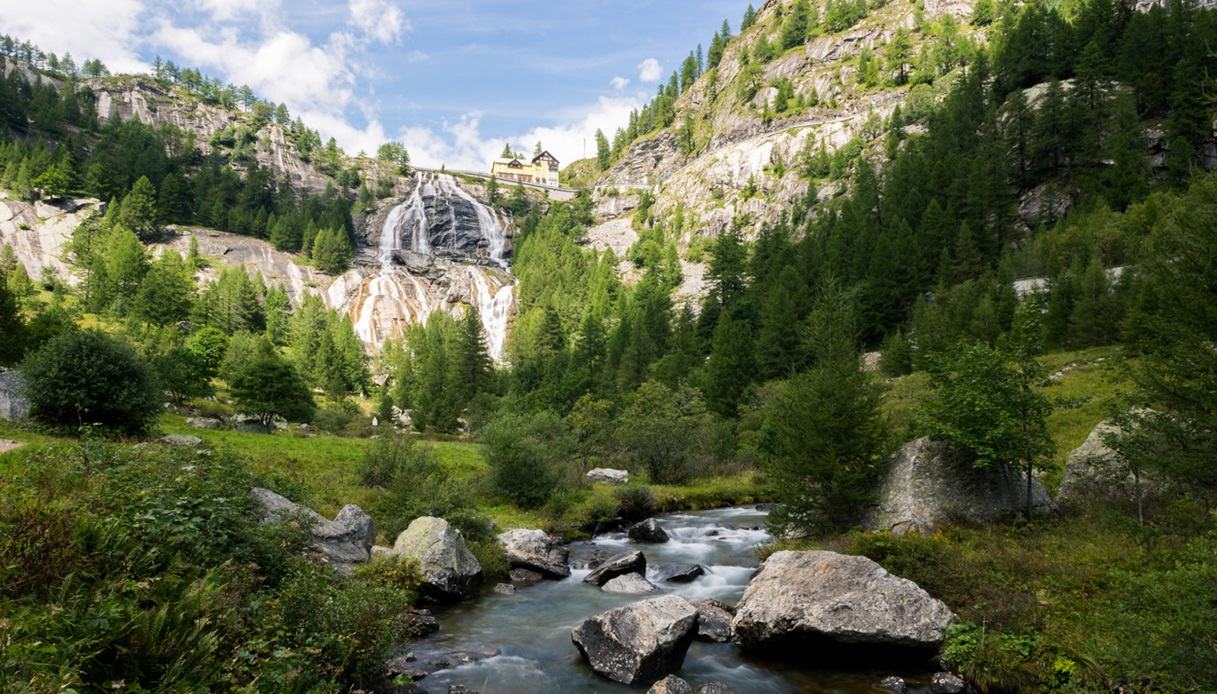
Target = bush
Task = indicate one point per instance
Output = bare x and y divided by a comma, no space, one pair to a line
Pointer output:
493,558
418,485
87,377
635,502
523,452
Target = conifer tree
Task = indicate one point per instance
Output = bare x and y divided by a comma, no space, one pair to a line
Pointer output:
730,367
139,212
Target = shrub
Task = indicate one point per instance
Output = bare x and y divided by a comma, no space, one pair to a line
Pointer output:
493,558
87,377
523,452
635,502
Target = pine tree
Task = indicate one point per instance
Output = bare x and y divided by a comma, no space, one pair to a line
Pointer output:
166,293
471,367
174,201
11,325
332,251
795,28
748,20
604,153
729,369
139,212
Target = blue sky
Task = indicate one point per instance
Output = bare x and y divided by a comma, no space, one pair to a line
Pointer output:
454,79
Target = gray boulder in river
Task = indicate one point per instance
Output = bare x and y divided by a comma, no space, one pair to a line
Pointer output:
928,485
714,621
536,551
638,643
619,565
449,569
343,542
647,531
802,598
630,584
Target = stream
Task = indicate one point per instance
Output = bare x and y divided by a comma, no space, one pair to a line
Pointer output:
530,629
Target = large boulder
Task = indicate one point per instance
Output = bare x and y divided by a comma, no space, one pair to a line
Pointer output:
927,485
536,551
809,598
1094,471
344,542
13,403
449,569
608,475
630,584
638,643
619,565
647,531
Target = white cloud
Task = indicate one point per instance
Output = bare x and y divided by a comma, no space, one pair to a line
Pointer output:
103,30
380,20
227,10
619,83
282,66
649,70
460,145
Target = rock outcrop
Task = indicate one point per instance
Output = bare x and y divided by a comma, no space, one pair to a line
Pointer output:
804,599
13,403
449,569
536,551
638,643
630,584
344,542
647,531
927,485
619,565
608,475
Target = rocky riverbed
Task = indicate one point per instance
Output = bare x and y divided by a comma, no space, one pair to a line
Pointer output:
521,640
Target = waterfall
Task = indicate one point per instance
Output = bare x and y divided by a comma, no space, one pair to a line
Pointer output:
416,216
494,309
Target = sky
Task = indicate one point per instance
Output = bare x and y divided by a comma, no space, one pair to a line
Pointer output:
453,79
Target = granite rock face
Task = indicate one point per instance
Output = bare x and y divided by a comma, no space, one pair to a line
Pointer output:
802,598
638,643
449,569
927,485
1094,471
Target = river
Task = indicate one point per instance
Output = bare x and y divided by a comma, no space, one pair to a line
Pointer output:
530,629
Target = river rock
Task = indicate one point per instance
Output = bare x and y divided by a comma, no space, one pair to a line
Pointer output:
608,475
638,643
670,685
928,485
630,584
13,403
714,621
525,576
423,621
892,685
619,565
677,573
185,440
713,688
449,569
647,531
800,598
535,550
946,683
344,542
504,589
204,423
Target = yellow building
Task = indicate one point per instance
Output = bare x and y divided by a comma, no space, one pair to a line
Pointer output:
542,170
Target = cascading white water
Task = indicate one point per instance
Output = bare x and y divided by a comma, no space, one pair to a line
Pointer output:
493,310
383,304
